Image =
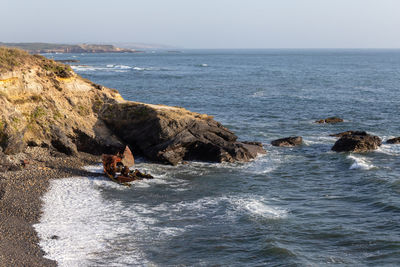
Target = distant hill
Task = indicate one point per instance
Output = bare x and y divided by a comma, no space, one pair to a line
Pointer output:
144,46
36,48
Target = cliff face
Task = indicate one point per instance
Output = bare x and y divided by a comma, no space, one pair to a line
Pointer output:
44,103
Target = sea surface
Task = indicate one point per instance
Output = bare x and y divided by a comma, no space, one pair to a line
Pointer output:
303,206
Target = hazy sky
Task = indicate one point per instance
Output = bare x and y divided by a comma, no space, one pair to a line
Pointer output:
206,23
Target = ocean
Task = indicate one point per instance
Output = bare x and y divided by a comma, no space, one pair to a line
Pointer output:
302,206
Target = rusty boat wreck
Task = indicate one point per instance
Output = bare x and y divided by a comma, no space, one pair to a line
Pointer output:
116,167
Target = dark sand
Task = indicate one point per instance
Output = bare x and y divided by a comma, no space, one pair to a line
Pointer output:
20,202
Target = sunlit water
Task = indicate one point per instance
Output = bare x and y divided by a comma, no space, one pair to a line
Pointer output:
304,206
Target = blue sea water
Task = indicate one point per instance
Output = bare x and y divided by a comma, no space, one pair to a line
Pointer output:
303,206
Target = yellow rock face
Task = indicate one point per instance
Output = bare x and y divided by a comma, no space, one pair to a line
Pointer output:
34,99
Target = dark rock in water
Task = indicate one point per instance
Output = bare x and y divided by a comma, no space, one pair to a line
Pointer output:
330,120
288,141
363,133
394,141
55,237
355,142
67,60
172,134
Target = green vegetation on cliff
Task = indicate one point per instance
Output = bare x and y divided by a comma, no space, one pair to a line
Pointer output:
12,58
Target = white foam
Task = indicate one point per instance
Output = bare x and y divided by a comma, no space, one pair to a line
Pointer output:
237,206
75,211
123,67
319,140
262,164
258,94
389,149
148,68
259,207
360,163
94,168
91,228
108,68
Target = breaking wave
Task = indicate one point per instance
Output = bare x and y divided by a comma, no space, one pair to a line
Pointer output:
360,163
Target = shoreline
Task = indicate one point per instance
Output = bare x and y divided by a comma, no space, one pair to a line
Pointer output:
21,202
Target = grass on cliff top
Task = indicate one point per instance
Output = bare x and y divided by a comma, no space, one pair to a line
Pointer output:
12,58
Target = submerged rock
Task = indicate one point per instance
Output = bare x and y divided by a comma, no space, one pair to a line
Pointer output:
288,141
330,120
172,134
357,142
362,133
395,140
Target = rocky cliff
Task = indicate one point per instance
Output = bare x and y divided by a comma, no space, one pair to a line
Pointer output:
44,103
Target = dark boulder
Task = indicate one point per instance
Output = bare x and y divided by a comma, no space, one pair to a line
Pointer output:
357,142
288,141
7,165
61,142
330,120
12,140
4,162
172,135
394,141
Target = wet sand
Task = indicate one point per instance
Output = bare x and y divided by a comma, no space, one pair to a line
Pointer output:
20,201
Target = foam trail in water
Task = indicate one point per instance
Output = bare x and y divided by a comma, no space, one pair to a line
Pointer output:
258,207
107,68
389,149
82,223
91,229
236,206
325,140
360,163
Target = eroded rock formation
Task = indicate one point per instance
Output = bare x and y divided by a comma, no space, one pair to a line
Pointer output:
172,134
44,103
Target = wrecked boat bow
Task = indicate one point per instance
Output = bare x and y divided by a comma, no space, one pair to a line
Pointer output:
114,168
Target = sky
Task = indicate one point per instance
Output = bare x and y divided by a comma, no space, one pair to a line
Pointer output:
206,23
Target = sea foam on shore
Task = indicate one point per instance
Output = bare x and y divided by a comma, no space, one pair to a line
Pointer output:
77,222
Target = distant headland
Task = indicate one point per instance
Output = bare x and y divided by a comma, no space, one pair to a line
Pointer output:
37,48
